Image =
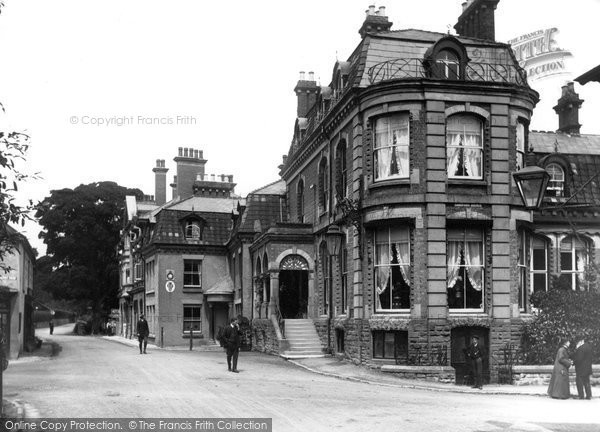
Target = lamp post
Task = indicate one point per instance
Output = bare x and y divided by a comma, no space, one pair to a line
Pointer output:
531,182
333,238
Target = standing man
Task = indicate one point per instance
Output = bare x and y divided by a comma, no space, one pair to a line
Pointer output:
583,367
475,353
232,344
51,326
142,332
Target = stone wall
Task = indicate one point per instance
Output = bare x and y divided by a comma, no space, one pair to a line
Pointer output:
540,375
443,374
264,338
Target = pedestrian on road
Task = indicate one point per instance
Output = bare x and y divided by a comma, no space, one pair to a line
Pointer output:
476,353
142,332
231,335
559,382
582,358
51,326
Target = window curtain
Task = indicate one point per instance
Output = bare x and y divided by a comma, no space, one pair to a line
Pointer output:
400,143
580,262
472,155
403,260
473,260
391,147
454,249
454,149
382,272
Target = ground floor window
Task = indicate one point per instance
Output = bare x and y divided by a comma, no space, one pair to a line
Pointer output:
465,268
392,268
192,318
390,345
539,265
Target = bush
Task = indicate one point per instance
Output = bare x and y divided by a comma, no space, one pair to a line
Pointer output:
561,314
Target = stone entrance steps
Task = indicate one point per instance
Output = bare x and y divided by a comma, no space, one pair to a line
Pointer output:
304,342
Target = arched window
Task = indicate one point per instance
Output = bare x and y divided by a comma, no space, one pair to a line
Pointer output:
193,230
323,186
574,253
556,184
300,200
341,171
447,65
464,146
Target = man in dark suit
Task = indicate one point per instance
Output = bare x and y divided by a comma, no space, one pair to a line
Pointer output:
231,335
475,353
583,367
142,333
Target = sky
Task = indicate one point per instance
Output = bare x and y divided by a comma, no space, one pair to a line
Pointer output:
106,87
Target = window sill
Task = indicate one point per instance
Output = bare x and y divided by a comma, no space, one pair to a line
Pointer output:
470,312
390,183
186,335
395,312
192,289
467,182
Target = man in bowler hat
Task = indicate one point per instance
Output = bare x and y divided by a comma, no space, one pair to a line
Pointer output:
231,335
475,353
583,367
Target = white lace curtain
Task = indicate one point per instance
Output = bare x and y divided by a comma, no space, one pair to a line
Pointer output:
391,147
392,249
464,141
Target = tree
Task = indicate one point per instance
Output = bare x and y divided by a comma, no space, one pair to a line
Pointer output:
13,149
561,314
81,231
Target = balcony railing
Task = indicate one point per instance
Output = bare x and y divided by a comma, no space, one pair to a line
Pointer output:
410,68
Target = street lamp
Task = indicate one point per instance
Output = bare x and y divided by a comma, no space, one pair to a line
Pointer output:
532,182
333,237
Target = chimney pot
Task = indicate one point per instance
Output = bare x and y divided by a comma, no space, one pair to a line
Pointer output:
196,153
302,77
311,76
180,151
231,178
382,10
212,177
372,10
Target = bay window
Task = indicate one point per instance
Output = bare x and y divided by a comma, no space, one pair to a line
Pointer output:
464,147
465,272
392,268
391,145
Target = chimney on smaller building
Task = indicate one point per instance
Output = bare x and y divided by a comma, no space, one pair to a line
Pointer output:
477,19
375,21
567,108
160,182
306,90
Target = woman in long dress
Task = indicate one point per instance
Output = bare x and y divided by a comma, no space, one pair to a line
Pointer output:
559,383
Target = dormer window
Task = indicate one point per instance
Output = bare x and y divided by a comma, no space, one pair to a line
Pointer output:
447,65
556,184
446,60
192,230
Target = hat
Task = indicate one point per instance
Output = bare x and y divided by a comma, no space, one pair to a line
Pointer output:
475,337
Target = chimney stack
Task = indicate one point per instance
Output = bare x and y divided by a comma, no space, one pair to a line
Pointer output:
375,21
477,19
306,91
189,164
567,108
160,182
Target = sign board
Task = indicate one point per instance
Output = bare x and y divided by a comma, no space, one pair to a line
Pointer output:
170,286
538,53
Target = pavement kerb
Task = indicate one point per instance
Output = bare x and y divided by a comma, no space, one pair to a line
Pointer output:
414,386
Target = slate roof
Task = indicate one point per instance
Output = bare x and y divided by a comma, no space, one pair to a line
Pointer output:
544,142
169,229
224,285
583,156
264,207
205,204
